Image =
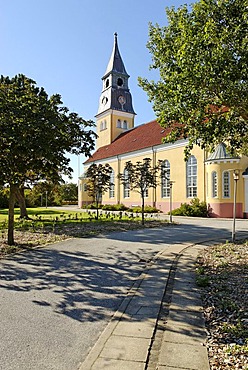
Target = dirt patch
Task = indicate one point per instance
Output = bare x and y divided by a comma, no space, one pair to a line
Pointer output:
223,269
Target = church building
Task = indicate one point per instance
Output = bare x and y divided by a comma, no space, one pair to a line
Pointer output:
216,178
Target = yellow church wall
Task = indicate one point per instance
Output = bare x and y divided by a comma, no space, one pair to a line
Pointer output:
83,196
175,155
116,131
104,134
107,126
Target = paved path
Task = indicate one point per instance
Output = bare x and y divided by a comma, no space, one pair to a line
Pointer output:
56,301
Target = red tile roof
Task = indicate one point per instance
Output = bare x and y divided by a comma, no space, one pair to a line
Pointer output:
140,137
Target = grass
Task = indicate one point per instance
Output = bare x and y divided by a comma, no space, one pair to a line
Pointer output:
49,226
34,212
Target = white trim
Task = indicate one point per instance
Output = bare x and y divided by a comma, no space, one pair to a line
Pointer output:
114,112
145,151
216,161
180,143
245,177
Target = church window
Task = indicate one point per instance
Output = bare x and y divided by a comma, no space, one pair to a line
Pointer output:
103,125
85,187
126,185
226,184
122,124
214,185
107,83
119,82
112,185
191,174
165,179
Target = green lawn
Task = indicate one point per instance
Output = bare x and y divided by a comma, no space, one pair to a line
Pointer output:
45,213
45,216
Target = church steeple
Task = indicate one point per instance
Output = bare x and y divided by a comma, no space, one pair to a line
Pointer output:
115,63
115,100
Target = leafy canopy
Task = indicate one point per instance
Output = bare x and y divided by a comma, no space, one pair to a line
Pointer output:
99,180
36,133
202,60
139,176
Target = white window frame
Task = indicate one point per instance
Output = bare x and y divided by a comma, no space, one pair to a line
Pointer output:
103,125
226,185
214,184
191,177
112,184
126,185
165,179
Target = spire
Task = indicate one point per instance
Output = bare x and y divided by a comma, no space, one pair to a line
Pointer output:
115,63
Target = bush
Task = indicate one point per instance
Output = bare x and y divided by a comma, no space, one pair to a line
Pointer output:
195,209
114,207
147,209
93,206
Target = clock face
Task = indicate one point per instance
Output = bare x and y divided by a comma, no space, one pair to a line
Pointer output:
122,100
104,100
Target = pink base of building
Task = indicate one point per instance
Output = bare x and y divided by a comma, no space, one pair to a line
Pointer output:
225,210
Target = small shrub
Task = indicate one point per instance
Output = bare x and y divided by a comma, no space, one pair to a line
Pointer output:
93,206
202,281
114,207
194,209
147,209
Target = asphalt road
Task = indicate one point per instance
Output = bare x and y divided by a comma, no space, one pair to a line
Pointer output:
56,300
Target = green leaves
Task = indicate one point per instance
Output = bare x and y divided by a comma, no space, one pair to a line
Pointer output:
36,132
99,180
202,59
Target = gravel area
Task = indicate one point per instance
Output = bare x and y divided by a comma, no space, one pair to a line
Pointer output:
223,274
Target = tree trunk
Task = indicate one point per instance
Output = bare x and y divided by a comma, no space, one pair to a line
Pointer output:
143,210
21,200
12,198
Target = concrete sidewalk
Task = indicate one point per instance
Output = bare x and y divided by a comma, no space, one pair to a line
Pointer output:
160,324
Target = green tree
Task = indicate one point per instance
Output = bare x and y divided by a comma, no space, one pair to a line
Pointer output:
99,181
202,60
45,193
69,192
139,177
36,133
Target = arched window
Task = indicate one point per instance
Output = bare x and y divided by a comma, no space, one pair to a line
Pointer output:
191,174
112,184
118,124
126,185
226,184
165,179
124,124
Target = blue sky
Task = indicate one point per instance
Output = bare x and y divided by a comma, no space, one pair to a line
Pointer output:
65,45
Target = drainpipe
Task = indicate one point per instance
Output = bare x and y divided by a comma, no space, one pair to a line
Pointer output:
204,176
118,180
154,190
